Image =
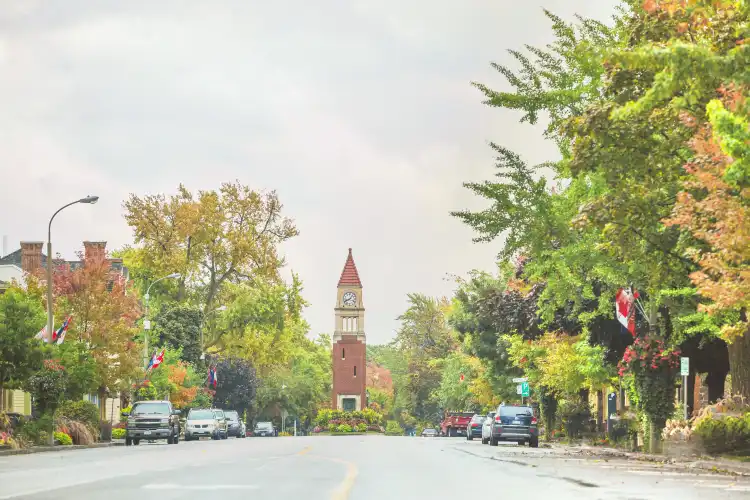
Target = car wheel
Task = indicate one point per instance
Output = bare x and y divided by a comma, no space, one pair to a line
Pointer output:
215,436
136,442
176,439
493,441
128,441
521,443
534,442
170,439
226,436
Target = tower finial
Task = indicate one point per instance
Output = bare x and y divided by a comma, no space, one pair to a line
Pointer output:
350,276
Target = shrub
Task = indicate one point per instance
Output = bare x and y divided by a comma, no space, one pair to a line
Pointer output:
361,427
63,439
284,434
35,432
78,431
723,434
118,433
48,385
344,428
80,411
392,428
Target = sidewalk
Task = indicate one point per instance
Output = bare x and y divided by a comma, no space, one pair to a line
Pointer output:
45,449
707,463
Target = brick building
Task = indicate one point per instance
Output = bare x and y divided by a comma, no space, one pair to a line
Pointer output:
349,343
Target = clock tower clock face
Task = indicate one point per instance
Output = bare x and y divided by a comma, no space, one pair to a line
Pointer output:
349,299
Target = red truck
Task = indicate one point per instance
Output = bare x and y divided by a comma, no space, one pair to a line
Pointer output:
455,423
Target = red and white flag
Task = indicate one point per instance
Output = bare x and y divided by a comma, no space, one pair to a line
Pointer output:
42,335
156,360
625,308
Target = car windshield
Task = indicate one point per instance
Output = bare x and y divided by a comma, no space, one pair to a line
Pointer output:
219,413
478,418
232,415
150,409
201,415
515,411
263,425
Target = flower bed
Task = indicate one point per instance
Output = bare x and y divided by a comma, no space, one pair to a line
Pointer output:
342,422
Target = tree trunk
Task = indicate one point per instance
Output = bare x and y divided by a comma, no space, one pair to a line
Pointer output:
739,365
655,443
715,382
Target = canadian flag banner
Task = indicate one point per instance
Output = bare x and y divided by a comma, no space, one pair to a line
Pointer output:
625,308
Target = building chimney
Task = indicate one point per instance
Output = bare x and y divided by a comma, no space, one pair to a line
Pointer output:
31,256
94,251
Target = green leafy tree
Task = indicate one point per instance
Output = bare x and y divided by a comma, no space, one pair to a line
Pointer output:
178,326
80,365
21,318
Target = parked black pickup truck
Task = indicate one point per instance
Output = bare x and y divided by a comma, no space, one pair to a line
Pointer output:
151,420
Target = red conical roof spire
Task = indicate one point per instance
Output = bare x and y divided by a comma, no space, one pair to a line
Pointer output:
350,276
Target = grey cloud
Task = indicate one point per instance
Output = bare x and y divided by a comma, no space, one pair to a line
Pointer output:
355,111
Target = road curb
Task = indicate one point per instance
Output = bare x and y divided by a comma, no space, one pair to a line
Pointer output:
48,449
703,463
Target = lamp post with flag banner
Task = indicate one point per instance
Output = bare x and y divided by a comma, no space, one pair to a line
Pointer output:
146,321
90,200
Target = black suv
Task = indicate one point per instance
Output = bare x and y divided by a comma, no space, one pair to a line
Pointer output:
151,420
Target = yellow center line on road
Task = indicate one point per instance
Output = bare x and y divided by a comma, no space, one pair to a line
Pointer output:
345,487
305,450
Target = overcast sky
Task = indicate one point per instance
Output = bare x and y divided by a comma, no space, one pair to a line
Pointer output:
359,113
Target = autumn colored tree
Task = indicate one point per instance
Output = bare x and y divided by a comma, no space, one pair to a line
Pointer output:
214,238
104,310
181,396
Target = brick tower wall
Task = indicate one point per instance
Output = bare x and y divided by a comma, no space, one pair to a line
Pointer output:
344,381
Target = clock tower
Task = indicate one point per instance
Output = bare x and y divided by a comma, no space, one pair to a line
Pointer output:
349,392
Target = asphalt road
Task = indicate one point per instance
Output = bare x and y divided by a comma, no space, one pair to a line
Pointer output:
354,468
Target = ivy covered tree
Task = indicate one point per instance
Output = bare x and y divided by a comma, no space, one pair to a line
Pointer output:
178,326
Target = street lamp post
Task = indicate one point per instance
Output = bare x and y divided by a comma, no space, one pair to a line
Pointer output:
147,322
50,325
218,309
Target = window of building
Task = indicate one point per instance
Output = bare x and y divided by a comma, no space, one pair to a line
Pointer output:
343,353
355,371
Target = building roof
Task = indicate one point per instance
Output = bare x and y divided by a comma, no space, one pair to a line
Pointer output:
350,276
15,259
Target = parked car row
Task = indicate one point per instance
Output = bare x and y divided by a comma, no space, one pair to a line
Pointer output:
157,420
507,423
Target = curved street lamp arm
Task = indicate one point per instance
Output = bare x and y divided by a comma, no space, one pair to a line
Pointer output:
49,226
